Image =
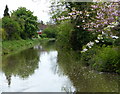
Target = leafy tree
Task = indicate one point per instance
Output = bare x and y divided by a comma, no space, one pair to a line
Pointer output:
11,27
89,20
6,11
65,30
29,25
21,23
81,36
3,34
77,12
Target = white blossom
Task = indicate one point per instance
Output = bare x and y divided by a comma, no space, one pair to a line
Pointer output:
97,41
84,50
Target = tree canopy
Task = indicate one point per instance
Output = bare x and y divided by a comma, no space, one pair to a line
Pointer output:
21,24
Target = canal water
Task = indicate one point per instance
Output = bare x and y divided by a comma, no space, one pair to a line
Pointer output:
44,68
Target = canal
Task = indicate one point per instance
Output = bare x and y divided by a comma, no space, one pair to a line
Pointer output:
44,68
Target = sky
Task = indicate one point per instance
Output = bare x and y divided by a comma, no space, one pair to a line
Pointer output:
40,8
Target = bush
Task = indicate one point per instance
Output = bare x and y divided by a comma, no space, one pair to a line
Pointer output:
3,34
87,57
11,27
43,35
50,32
106,59
117,41
65,30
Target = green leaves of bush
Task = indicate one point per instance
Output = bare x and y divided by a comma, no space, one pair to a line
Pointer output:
106,59
11,27
50,32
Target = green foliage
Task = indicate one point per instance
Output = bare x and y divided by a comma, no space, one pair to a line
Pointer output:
11,27
79,38
13,46
30,24
80,35
43,35
85,25
117,31
65,30
117,41
3,34
21,24
105,59
50,32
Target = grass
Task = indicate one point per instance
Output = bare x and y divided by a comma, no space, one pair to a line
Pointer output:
9,47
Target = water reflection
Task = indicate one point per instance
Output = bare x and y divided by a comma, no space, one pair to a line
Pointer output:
22,64
84,79
34,70
45,69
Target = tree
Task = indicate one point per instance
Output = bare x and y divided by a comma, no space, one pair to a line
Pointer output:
6,12
29,20
89,20
77,13
79,17
11,27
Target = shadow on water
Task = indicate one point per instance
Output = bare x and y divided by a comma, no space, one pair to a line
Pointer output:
21,64
84,79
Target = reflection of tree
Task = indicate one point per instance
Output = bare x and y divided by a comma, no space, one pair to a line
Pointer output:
48,45
83,79
22,64
8,77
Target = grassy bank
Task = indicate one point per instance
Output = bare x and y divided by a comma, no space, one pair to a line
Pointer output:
9,47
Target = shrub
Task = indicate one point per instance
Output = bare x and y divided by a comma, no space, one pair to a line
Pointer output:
43,35
3,34
11,27
65,30
106,59
50,32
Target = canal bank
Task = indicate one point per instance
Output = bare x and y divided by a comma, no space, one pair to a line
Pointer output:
10,47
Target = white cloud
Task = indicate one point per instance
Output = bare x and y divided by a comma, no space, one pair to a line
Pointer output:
39,7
